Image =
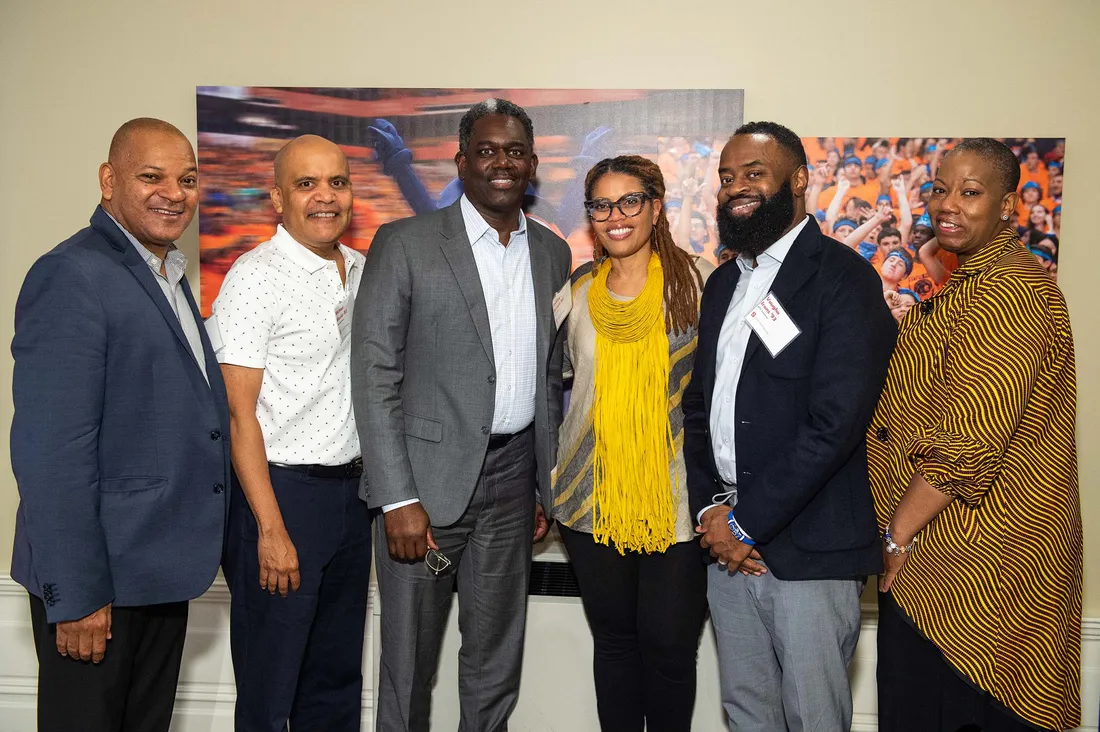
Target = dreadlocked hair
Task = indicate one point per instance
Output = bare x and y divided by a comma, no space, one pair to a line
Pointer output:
683,282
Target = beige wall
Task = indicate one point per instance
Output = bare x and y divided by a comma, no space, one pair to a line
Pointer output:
73,70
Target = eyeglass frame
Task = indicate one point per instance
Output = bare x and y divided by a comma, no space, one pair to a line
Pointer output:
612,205
436,555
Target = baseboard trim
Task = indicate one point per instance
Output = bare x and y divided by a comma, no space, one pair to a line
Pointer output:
205,696
187,691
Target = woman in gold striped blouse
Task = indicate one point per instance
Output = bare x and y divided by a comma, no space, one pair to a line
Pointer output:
974,473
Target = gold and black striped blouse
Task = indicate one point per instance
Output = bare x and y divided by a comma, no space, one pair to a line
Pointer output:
980,400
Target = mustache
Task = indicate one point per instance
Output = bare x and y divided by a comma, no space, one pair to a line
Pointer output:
738,200
167,205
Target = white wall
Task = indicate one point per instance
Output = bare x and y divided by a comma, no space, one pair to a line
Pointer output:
73,70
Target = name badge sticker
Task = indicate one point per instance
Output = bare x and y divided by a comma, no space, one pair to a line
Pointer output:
772,325
563,303
343,321
214,333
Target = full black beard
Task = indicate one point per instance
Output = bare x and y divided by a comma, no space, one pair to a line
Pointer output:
753,234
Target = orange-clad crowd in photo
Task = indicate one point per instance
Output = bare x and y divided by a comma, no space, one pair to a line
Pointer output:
870,193
867,192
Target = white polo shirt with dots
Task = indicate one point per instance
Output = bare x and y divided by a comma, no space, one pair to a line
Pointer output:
283,309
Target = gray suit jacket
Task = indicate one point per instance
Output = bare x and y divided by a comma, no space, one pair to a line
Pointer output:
422,367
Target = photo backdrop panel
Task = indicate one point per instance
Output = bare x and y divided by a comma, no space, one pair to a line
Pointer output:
401,145
872,193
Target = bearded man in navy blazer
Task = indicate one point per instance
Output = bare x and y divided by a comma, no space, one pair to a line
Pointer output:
794,341
119,444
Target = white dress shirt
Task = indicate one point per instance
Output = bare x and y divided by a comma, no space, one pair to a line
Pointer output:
753,286
505,274
283,309
170,283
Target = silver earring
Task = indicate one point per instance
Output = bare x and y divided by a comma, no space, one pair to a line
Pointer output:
1004,218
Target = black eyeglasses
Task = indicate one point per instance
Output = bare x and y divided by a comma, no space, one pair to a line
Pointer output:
629,205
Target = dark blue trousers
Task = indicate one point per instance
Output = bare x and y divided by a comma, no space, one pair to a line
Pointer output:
299,658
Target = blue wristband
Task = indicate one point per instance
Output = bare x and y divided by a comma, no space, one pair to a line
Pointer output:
738,534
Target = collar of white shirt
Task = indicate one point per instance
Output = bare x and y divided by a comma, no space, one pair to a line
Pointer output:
777,251
476,225
303,256
175,261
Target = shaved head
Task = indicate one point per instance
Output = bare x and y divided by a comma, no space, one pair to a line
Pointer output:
313,192
149,183
299,148
997,154
123,142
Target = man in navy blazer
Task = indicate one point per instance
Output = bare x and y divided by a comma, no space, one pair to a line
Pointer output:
794,341
119,444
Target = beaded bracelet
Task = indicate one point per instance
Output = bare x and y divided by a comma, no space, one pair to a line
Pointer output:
895,549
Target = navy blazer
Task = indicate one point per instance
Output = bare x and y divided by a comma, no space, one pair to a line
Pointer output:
120,448
803,493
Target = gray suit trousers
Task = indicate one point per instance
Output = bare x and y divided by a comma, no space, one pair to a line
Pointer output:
783,650
490,553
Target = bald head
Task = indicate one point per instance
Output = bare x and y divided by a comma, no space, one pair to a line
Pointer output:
150,183
130,135
302,148
313,192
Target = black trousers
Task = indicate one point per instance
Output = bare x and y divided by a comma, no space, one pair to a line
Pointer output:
299,658
918,691
131,690
646,612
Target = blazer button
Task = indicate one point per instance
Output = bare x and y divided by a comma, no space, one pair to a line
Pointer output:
927,307
218,487
215,434
484,430
882,434
492,379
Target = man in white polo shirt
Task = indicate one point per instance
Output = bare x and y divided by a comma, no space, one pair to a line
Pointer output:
298,551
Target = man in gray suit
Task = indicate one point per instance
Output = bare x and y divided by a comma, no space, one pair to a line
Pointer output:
456,381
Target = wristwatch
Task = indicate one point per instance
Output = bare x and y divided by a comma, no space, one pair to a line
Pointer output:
895,549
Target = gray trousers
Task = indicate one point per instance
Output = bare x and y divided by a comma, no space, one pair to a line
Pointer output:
490,553
783,650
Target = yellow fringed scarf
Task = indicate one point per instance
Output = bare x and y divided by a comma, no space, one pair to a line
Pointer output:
635,505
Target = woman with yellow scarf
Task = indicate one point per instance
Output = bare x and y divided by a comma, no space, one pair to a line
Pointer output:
620,487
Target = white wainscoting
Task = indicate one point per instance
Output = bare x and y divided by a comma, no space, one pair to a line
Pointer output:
557,680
